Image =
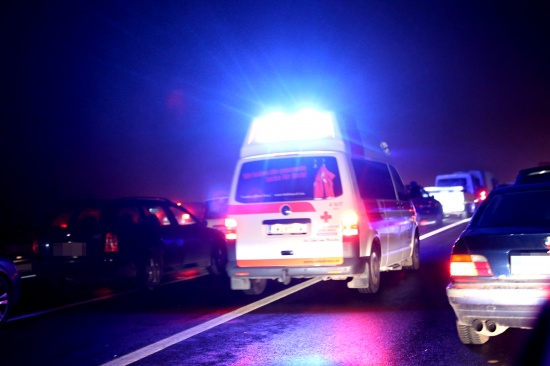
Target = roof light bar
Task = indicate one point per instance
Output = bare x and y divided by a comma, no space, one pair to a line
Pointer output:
306,124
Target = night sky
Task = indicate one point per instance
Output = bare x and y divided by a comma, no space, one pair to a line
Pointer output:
119,98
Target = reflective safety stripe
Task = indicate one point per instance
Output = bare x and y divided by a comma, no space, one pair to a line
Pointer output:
294,262
264,208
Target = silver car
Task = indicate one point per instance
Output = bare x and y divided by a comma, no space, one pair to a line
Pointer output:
500,265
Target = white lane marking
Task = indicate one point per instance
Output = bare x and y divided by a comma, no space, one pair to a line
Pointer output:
125,360
441,229
167,342
176,338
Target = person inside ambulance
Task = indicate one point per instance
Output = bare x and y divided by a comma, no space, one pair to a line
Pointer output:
323,186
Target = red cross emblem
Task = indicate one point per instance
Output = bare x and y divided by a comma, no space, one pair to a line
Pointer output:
326,217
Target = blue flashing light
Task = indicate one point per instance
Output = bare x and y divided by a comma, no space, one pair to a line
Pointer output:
306,124
308,130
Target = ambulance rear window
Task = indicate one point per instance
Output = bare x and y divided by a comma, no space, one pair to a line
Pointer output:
289,179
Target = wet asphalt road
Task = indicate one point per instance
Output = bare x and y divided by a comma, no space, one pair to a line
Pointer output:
202,322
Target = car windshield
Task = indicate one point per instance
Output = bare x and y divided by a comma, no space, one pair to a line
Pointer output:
530,209
289,179
452,182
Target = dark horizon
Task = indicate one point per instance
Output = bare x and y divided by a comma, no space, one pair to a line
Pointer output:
106,100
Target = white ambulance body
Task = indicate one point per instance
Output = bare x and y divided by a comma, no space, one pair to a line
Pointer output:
307,201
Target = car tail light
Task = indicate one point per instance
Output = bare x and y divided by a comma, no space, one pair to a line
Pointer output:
35,248
482,195
350,222
111,243
470,265
230,229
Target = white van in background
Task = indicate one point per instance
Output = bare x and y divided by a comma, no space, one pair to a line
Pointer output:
461,193
309,199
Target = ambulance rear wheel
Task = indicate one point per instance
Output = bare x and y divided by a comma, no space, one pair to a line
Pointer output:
257,286
415,255
374,272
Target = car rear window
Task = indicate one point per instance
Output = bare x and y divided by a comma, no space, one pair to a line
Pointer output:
87,217
289,179
530,209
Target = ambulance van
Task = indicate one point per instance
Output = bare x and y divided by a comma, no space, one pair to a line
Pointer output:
310,199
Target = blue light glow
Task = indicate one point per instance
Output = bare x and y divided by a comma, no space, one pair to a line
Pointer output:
306,124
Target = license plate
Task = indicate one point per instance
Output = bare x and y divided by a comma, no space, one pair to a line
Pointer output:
24,268
287,229
530,264
69,249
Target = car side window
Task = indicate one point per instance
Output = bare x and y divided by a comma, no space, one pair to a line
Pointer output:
399,186
182,216
374,180
158,212
128,216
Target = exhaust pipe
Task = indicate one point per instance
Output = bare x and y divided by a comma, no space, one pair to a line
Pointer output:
488,327
491,326
478,325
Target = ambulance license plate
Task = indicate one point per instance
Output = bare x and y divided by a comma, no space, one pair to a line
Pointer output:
287,229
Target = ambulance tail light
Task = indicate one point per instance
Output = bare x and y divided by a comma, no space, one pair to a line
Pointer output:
111,243
350,224
230,229
470,265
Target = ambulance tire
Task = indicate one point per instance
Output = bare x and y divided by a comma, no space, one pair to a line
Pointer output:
415,256
257,286
374,272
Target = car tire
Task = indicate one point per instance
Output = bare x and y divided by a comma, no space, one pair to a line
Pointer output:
257,286
439,219
415,256
218,260
374,272
152,272
468,335
6,300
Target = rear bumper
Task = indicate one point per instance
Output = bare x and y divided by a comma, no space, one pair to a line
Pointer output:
349,268
517,307
78,269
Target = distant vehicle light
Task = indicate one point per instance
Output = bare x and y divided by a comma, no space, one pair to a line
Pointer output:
306,124
111,243
470,265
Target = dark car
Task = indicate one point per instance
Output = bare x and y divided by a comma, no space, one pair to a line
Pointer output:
500,264
17,243
428,209
10,287
128,238
536,174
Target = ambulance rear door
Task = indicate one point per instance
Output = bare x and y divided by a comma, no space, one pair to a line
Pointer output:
288,210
